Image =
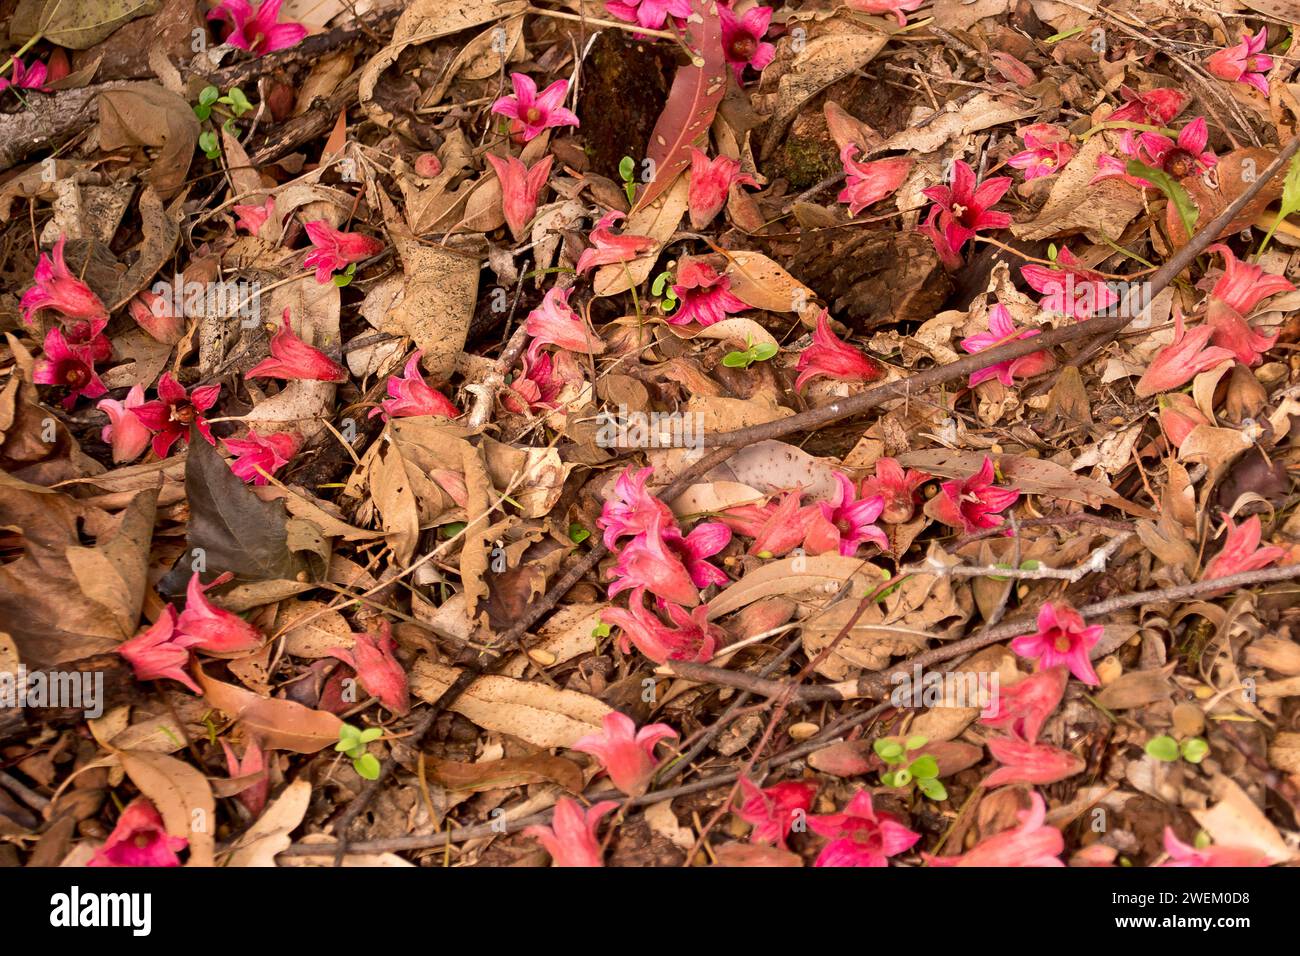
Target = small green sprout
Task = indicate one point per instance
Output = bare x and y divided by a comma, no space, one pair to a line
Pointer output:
208,143
353,742
578,534
627,173
662,286
233,105
755,352
1166,748
345,278
923,771
600,630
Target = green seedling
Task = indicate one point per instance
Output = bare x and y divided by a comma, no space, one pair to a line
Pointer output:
923,770
755,352
578,534
662,286
345,278
232,106
1165,748
627,173
353,742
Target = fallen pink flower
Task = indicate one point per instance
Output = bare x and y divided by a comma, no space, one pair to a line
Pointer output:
1001,331
1183,157
153,313
847,522
1241,551
782,527
1156,108
711,181
212,628
830,356
772,811
742,39
705,295
257,32
1182,360
571,837
1047,150
139,839
963,209
1238,291
705,540
378,669
1023,762
1060,285
534,112
896,7
1032,843
651,14
1244,63
410,395
1184,854
541,379
627,754
860,836
897,487
58,289
607,248
69,367
292,358
161,650
254,792
258,456
1022,709
171,414
868,183
127,435
632,509
691,638
25,77
254,217
646,562
333,250
972,504
1179,416
1061,638
520,187
555,323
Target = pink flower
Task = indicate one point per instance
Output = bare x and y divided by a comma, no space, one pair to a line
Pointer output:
88,335
254,217
333,250
171,414
212,628
860,836
628,755
711,180
705,540
773,810
1156,108
691,638
646,562
571,837
1179,416
1246,62
554,323
651,14
846,522
780,527
1059,286
1236,294
962,209
1032,843
830,356
1003,330
410,396
1061,638
161,651
58,289
869,183
541,379
1182,360
1047,150
26,78
139,839
607,248
153,313
257,454
257,32
292,358
1024,762
254,792
1022,709
1181,158
125,432
1241,551
742,39
69,367
896,7
1183,854
532,112
973,503
380,672
705,295
520,187
896,487
631,510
